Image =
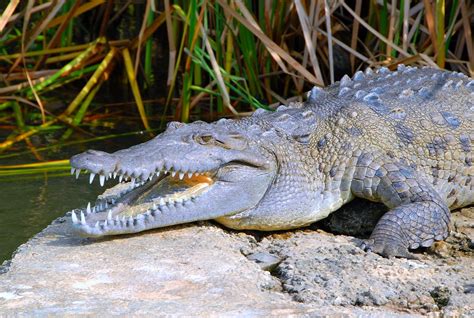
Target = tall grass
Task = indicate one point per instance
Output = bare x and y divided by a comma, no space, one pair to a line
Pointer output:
225,57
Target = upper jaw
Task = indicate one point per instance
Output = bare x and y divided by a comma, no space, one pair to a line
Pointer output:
173,159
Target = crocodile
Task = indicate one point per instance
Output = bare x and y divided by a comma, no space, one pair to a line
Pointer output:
404,138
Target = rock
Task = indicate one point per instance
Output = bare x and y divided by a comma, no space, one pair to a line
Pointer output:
441,295
202,269
265,260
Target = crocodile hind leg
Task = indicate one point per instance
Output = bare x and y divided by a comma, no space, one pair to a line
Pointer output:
409,226
417,216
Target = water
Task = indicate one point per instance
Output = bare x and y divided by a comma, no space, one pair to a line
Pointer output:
28,204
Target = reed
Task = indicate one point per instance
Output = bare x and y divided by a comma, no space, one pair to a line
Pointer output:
204,58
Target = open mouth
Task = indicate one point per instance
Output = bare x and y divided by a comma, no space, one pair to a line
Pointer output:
136,204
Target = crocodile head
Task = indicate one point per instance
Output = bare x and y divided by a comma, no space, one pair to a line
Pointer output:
189,172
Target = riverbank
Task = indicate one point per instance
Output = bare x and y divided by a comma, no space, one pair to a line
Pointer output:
202,269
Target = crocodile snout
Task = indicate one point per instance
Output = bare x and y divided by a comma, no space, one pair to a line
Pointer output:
94,161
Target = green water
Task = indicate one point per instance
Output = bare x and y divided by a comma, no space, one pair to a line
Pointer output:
28,204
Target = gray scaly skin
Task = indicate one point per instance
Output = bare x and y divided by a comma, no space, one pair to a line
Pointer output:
403,138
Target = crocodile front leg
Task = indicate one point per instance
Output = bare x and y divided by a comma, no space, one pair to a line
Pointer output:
417,216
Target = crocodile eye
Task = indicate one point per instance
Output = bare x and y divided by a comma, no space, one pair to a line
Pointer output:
204,139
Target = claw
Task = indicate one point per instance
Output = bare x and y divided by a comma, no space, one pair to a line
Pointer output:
387,249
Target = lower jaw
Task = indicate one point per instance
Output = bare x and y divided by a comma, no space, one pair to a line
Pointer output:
118,213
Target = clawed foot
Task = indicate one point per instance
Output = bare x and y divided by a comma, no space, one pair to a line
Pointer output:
387,249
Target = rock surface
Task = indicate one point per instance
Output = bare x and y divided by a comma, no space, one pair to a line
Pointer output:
202,269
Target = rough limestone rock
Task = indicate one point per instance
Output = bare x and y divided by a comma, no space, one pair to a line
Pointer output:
202,269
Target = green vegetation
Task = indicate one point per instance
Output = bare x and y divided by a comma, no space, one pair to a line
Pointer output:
206,58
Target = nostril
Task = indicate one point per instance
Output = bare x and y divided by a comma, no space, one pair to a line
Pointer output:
94,161
174,125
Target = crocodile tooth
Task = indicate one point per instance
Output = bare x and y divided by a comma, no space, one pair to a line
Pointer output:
158,173
173,173
162,201
102,180
120,178
96,224
168,166
114,175
72,171
78,172
133,182
74,217
359,76
91,178
105,223
88,209
345,81
83,218
106,204
113,201
154,207
190,174
369,71
130,220
109,215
